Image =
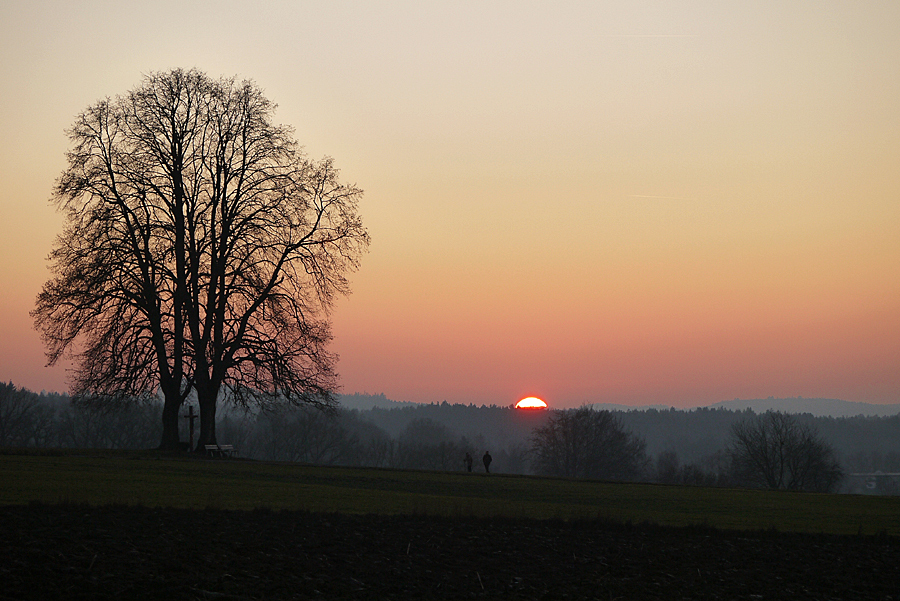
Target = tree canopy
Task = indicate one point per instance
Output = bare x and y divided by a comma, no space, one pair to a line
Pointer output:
774,450
584,443
201,253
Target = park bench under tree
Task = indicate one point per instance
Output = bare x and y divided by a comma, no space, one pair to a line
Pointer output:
219,450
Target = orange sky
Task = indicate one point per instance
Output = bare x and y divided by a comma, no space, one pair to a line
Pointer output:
631,202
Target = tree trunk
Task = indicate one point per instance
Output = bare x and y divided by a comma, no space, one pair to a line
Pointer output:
207,401
170,440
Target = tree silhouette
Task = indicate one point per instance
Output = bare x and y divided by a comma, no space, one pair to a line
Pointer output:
774,450
201,252
584,443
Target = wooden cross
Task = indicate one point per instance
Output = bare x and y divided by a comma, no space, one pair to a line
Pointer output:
191,416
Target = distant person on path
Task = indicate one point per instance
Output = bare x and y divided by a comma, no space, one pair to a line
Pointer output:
468,462
487,462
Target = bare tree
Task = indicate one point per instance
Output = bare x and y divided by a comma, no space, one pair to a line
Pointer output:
302,434
427,444
91,425
584,443
202,251
668,468
366,444
712,470
24,419
774,450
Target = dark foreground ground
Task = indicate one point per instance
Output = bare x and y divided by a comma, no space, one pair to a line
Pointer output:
53,552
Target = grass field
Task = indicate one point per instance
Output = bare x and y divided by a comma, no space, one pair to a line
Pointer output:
153,480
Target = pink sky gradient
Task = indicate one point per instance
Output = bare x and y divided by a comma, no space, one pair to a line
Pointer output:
621,202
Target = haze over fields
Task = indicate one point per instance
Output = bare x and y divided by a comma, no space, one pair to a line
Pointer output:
635,203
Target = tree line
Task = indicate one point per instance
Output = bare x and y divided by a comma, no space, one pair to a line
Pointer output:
768,450
32,420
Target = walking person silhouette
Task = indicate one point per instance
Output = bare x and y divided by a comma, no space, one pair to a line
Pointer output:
487,462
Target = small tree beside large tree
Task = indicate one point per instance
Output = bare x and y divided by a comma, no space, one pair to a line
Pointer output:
201,253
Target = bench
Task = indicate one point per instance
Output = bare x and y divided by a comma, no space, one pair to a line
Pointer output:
219,450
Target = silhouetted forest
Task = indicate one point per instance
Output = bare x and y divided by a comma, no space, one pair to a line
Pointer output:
682,446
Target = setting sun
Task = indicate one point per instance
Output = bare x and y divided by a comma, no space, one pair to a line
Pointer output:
531,402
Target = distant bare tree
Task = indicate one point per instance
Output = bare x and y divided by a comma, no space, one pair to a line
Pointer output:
236,428
302,434
24,419
428,444
367,444
712,470
584,443
202,251
774,450
668,468
90,425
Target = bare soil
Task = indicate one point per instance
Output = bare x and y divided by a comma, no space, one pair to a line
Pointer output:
74,552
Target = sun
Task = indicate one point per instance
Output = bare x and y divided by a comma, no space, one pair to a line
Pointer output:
531,402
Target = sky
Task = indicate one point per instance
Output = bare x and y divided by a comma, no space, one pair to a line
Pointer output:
630,202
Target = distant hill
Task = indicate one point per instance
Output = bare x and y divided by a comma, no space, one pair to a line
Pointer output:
364,401
817,407
617,407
